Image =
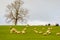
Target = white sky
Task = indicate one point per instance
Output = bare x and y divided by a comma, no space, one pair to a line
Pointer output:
40,11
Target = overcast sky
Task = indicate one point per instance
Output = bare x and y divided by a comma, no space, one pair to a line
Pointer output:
40,11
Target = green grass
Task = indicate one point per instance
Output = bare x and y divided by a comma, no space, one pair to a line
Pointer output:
30,34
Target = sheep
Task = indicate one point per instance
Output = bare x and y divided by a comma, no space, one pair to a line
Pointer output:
18,32
24,29
45,34
48,31
35,31
23,32
13,30
50,28
40,32
58,34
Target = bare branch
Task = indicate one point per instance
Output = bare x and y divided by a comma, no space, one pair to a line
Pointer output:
16,12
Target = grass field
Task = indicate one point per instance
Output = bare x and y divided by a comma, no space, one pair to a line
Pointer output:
30,34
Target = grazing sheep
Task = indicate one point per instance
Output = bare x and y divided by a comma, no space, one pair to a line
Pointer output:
48,31
45,34
58,34
40,32
50,28
35,31
23,32
18,32
24,29
13,30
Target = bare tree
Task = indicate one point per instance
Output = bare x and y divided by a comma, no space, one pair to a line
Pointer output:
16,13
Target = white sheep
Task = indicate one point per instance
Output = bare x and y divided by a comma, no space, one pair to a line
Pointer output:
13,30
35,31
45,34
58,33
18,32
48,31
40,32
23,32
50,28
24,29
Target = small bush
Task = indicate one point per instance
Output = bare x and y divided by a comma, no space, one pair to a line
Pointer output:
57,24
48,24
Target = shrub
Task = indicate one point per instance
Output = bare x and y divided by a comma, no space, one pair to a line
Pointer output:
48,24
57,24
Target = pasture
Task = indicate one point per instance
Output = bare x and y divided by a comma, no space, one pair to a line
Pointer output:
30,34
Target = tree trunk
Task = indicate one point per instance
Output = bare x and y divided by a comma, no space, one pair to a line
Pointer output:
16,17
15,21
